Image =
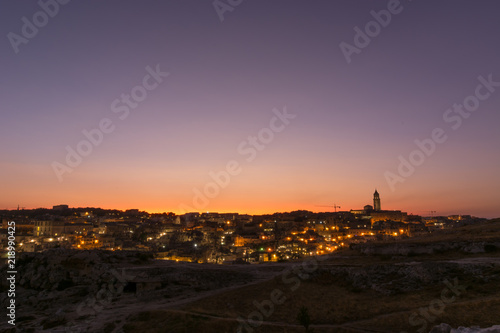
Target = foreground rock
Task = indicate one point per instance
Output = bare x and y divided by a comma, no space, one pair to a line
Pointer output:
414,249
445,328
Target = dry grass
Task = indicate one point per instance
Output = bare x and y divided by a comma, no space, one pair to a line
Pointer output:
333,308
329,302
174,322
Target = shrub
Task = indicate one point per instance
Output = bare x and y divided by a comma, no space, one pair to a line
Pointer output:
490,248
303,317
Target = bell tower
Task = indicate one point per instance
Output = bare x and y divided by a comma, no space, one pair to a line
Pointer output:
376,201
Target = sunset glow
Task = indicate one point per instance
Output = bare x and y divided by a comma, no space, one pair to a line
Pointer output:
173,105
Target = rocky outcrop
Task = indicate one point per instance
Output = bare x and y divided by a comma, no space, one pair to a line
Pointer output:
403,277
58,269
411,249
445,328
76,284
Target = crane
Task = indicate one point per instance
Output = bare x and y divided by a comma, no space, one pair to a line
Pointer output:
431,212
334,206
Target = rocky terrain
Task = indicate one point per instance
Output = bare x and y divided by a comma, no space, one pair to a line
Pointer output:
412,249
445,328
60,290
412,285
401,277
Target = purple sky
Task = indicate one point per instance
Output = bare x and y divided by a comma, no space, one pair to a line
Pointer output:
353,120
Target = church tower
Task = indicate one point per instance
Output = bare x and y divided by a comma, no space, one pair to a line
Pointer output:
376,201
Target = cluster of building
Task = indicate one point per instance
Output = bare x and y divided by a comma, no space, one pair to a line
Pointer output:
215,237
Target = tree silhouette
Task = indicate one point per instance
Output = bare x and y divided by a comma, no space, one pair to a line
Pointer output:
303,318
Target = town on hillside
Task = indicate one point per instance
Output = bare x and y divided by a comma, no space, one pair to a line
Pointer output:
220,238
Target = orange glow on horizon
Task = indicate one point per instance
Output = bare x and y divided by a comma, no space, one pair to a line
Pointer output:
244,195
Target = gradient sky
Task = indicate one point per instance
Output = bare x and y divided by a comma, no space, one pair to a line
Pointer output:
352,120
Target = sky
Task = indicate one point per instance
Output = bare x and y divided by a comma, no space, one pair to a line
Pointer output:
251,106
